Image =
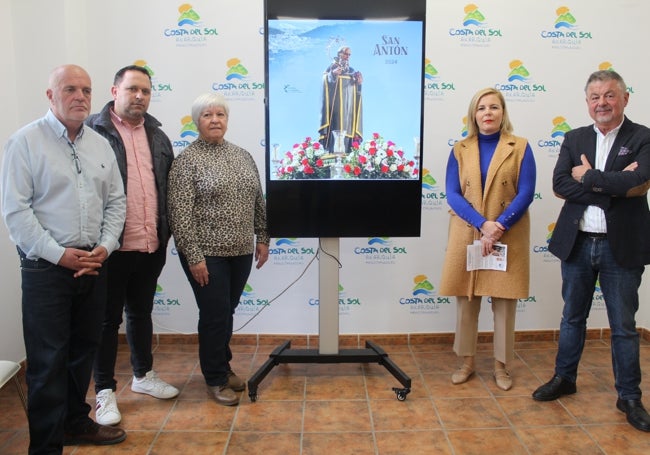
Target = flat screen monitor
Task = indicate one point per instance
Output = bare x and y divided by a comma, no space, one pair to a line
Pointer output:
344,117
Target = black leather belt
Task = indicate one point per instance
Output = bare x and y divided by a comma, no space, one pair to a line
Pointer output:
595,235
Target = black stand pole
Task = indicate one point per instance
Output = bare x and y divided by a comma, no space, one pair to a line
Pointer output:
328,325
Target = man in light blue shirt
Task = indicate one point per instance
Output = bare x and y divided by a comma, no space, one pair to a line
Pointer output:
64,206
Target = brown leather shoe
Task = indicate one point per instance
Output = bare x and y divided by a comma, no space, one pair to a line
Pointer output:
223,394
235,382
95,434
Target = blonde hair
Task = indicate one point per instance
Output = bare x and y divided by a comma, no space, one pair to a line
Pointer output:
472,127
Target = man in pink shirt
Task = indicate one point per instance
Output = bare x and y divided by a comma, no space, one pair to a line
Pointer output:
144,155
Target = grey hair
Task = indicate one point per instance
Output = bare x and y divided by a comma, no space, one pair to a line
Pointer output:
207,100
604,76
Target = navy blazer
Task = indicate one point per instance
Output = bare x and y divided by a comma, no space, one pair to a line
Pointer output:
622,195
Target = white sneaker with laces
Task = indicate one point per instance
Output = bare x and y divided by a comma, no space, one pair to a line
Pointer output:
106,412
152,385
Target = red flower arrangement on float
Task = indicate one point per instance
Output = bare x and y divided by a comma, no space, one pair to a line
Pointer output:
378,158
304,161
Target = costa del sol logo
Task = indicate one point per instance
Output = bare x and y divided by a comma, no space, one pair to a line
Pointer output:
423,286
598,300
290,251
474,31
560,127
607,66
237,84
473,16
541,248
187,134
433,197
463,131
518,72
380,250
551,145
565,34
428,182
236,71
423,298
522,304
346,303
188,16
434,86
158,87
564,18
143,64
520,86
189,30
163,304
249,303
430,72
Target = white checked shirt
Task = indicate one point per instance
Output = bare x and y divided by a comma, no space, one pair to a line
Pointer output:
593,220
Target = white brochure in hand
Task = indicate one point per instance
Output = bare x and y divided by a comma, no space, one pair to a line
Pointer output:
497,260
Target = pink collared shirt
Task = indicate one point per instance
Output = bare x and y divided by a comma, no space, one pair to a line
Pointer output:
140,228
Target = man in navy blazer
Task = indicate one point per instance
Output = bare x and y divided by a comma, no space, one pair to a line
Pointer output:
601,236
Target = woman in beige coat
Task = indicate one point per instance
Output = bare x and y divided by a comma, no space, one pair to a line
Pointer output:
490,184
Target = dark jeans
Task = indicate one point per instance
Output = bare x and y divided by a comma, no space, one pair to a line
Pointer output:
62,317
592,259
132,280
217,302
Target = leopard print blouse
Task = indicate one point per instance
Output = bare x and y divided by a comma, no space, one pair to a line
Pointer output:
215,201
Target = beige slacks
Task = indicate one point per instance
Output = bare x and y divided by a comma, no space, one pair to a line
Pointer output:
504,311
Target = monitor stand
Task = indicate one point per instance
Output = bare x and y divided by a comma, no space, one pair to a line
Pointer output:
328,330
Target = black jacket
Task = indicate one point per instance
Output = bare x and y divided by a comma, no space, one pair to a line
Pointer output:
162,157
622,195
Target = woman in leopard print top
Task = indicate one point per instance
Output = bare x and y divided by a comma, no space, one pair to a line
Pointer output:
216,207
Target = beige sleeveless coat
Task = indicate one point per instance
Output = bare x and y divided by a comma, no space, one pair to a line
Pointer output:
500,190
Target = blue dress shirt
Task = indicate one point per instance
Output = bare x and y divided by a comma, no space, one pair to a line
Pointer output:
57,194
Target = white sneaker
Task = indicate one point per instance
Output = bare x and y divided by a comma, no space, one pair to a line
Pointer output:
106,412
152,385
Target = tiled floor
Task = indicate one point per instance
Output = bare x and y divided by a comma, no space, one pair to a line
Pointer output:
340,409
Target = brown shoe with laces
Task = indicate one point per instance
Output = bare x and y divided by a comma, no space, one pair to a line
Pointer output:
94,434
223,394
235,382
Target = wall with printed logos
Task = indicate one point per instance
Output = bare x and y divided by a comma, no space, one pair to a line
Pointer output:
387,285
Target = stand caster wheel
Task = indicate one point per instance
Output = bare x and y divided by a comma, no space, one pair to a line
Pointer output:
401,393
252,396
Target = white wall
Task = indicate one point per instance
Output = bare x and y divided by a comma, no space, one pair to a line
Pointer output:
11,342
104,36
